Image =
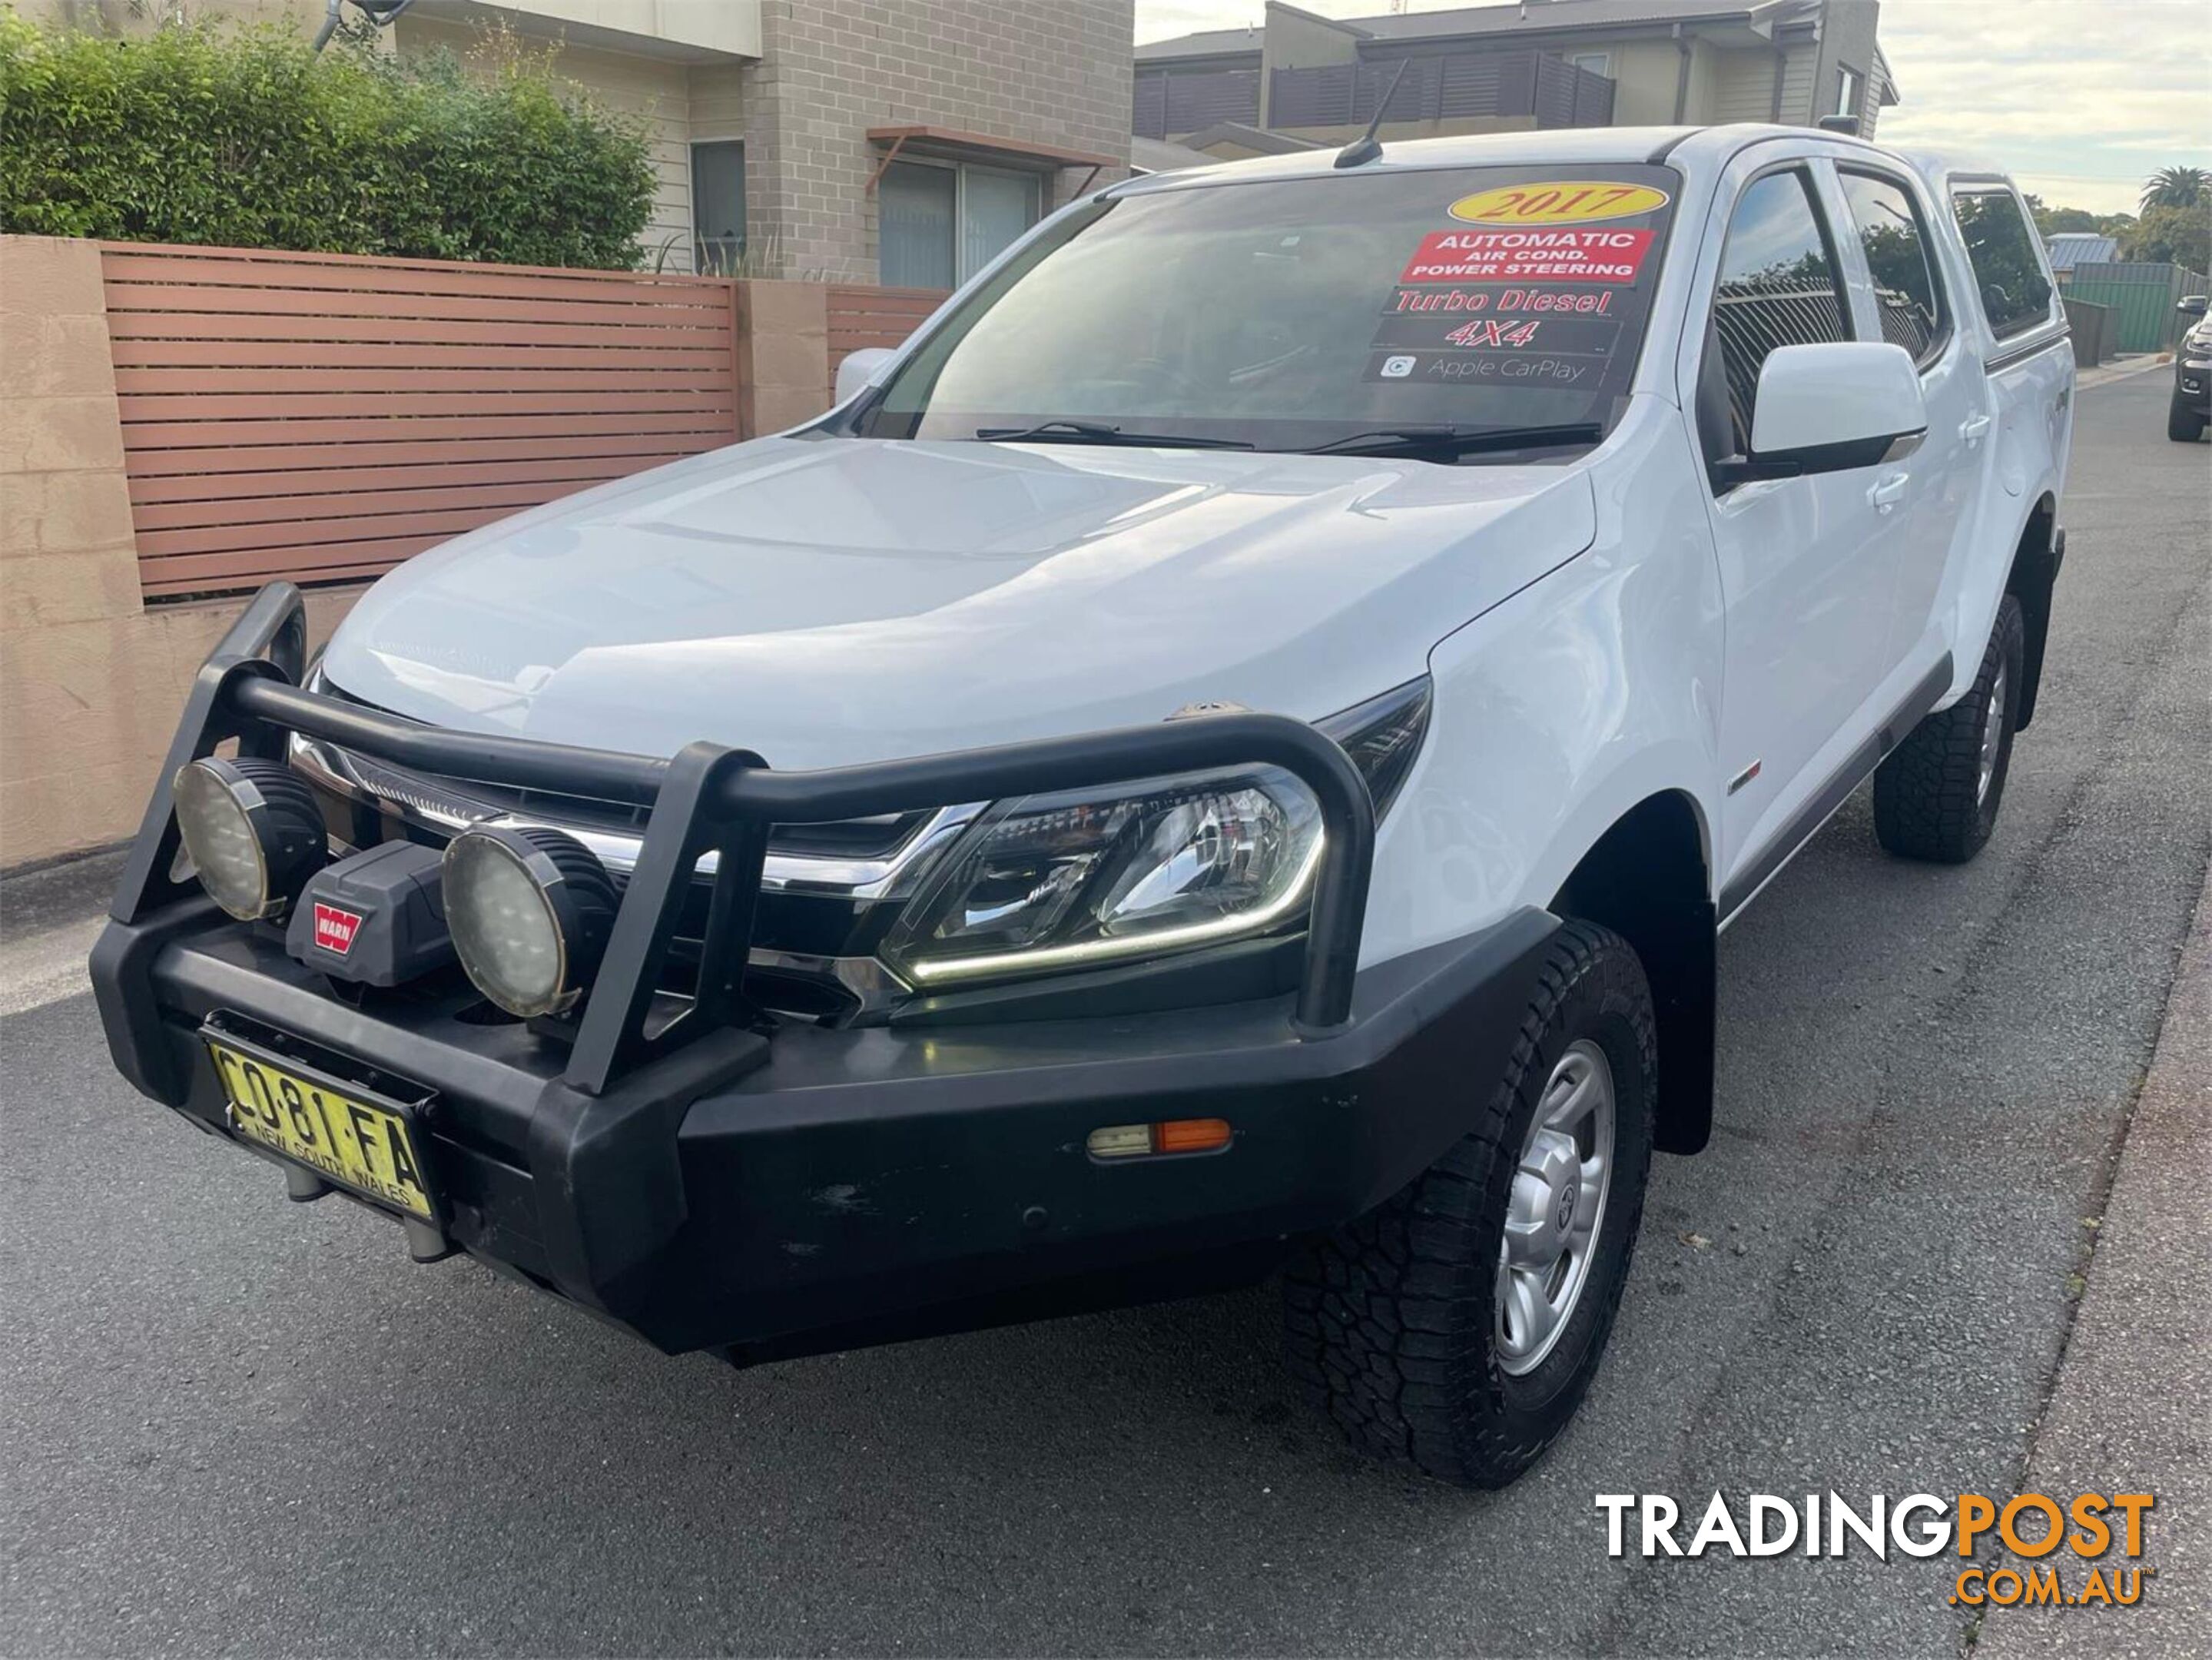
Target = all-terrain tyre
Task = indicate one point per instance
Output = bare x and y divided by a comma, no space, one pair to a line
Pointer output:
1937,795
1394,1324
2183,424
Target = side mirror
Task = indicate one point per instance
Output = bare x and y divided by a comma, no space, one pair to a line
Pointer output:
858,369
1830,409
2192,305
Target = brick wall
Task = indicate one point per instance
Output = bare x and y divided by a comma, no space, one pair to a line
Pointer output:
1053,73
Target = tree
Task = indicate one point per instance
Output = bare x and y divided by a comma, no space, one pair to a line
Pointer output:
2171,235
2176,188
2056,222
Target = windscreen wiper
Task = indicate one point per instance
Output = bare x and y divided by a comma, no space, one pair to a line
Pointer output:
1453,441
1097,432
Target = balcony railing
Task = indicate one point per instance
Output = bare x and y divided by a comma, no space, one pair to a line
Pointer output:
1191,101
1451,87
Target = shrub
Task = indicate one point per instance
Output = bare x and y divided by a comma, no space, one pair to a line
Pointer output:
244,138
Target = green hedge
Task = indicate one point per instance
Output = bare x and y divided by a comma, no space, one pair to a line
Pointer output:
244,138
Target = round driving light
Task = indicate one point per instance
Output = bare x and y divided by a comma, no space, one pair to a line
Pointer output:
529,911
253,831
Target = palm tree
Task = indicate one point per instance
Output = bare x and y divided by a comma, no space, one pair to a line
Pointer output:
2176,188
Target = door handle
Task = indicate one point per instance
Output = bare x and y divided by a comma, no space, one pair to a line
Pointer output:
1887,493
1973,428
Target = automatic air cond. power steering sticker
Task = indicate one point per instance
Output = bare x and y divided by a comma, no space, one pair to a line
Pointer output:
1532,287
1529,256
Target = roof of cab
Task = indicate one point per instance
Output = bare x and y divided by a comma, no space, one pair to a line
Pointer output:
1692,148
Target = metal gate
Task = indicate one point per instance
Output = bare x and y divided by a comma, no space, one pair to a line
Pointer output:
2144,296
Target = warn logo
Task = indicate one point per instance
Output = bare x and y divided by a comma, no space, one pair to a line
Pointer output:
335,928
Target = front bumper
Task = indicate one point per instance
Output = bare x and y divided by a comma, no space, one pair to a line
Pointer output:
772,1187
823,1187
2192,385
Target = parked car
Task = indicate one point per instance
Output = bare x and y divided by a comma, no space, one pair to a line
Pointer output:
1274,694
2185,416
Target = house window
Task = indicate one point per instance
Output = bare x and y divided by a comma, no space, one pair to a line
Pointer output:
939,223
1597,63
718,206
1848,81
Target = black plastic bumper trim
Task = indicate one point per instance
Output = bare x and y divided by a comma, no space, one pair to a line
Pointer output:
812,1188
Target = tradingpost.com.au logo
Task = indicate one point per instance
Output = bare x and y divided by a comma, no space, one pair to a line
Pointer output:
2053,1537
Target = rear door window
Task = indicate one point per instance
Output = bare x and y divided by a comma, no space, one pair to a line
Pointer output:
2015,294
1907,293
1778,288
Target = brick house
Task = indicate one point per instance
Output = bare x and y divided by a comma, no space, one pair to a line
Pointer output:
903,142
1296,79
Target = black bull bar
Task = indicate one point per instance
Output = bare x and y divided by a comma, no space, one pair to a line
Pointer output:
711,797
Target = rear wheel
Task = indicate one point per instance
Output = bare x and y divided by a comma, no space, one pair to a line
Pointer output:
2183,423
1457,1327
1937,795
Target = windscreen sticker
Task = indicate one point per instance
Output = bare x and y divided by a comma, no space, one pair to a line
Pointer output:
1543,256
1581,337
1542,287
1554,370
1502,300
1577,201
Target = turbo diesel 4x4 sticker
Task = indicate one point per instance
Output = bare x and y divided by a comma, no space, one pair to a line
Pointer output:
1513,299
1574,203
1527,256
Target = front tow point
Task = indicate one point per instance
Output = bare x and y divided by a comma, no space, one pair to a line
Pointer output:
303,1186
426,1241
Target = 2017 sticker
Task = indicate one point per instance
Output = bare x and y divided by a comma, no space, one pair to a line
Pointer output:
1555,256
1574,202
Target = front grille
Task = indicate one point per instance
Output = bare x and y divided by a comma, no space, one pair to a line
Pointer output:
877,838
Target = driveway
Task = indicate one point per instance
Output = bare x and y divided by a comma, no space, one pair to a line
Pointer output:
234,1424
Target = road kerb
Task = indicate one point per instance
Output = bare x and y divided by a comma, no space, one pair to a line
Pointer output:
2127,1413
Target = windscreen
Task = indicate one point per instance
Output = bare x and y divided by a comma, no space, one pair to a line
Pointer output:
1292,313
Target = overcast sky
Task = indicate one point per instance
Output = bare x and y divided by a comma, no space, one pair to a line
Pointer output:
2079,98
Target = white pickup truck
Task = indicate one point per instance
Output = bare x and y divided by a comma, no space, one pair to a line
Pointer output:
1229,753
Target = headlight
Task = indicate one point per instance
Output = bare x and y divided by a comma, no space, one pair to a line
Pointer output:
1081,880
529,911
1047,882
253,831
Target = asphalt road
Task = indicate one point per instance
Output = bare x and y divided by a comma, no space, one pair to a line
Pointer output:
234,1424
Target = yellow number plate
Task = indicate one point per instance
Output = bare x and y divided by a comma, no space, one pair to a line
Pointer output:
354,1143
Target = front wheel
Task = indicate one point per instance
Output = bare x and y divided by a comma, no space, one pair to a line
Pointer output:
1937,795
1457,1327
2183,423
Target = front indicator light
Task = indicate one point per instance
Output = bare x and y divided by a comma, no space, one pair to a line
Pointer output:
529,911
1147,1141
253,831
